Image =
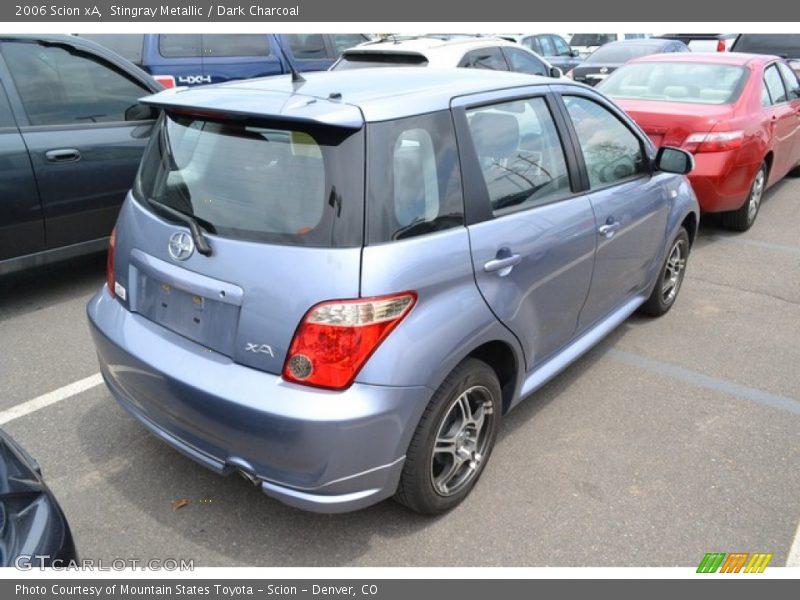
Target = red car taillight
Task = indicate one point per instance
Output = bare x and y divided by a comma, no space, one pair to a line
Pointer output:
336,338
722,46
110,279
713,142
168,81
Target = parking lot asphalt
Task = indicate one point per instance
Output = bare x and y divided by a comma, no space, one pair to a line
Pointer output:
674,437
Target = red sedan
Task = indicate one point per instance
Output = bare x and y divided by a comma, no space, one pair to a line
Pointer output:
739,114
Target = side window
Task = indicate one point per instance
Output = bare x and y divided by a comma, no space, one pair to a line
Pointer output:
414,180
774,84
180,45
6,118
634,36
531,43
611,151
765,99
524,62
58,87
343,41
791,81
485,58
520,154
236,44
562,49
548,49
307,45
129,45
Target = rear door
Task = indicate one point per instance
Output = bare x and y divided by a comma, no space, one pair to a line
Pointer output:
630,206
239,56
532,235
21,222
793,92
781,121
71,107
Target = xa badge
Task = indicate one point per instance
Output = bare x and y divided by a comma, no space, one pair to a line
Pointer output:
259,348
180,246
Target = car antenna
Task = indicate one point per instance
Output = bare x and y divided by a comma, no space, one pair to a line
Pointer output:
296,77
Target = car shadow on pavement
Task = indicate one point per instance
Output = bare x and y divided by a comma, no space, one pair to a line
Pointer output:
40,287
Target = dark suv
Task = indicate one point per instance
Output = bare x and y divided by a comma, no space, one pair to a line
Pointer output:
71,137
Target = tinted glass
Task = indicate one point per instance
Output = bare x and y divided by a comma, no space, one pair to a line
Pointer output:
343,41
610,150
272,183
532,43
520,154
6,117
592,39
785,45
414,181
307,45
562,49
485,58
790,79
128,45
677,82
177,45
379,59
774,84
58,87
523,62
621,53
235,45
548,49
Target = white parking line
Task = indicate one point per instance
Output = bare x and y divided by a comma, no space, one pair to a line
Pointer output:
49,398
794,552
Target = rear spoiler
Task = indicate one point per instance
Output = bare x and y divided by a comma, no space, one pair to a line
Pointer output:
230,101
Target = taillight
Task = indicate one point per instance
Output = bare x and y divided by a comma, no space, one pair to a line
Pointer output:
336,338
168,81
110,279
722,46
713,142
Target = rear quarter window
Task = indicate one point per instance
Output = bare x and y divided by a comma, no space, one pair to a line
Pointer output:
414,185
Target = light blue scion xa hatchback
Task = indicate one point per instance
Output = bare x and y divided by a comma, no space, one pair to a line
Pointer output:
338,286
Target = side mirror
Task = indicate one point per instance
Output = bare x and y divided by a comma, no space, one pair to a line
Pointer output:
674,160
574,53
139,112
556,73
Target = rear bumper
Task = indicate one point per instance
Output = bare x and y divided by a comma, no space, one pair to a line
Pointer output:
314,449
721,181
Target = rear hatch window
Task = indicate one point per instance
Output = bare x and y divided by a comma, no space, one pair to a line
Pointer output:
784,45
262,182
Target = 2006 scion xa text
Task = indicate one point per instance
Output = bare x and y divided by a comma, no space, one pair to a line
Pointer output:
338,286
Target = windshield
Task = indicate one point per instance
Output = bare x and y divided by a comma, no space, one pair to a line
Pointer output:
592,39
259,181
621,53
677,82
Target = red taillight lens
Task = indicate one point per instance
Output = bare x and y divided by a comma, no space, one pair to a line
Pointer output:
110,279
335,339
722,46
168,81
713,142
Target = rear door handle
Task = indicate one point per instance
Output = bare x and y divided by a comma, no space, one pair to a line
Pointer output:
63,155
608,229
502,266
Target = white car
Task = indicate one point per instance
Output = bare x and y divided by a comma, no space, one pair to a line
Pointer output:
586,43
446,51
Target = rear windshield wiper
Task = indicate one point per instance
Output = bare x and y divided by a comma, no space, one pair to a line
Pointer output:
200,241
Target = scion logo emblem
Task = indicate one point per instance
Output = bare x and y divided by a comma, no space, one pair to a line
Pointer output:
259,348
180,245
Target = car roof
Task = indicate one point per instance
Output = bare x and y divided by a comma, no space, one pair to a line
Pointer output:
722,58
651,41
345,98
438,51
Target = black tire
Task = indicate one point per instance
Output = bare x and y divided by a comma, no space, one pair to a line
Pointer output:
661,299
795,172
422,483
743,218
